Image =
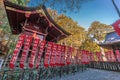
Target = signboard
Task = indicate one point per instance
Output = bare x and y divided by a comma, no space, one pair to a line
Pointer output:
116,26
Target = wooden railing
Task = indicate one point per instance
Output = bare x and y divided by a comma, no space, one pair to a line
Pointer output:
35,59
111,66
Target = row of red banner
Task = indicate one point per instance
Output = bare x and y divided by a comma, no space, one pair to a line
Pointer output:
110,56
28,45
54,54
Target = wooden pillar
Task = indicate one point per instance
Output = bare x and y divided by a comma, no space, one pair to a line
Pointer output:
103,53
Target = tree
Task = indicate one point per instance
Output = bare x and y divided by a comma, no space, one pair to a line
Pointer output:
98,31
89,45
77,32
95,34
6,38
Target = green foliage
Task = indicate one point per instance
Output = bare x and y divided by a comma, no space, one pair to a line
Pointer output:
96,34
89,45
78,33
20,2
80,38
6,38
99,30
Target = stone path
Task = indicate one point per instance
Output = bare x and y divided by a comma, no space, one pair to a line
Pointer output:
92,74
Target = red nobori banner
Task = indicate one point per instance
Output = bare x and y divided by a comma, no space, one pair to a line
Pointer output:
99,56
23,59
58,55
16,51
34,52
111,56
32,59
117,52
77,57
42,46
69,55
85,57
107,55
63,50
53,55
48,54
14,58
92,57
25,51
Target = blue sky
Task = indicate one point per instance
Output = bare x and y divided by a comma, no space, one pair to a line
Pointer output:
99,10
94,10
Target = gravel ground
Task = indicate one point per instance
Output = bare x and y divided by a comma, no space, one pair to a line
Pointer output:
91,74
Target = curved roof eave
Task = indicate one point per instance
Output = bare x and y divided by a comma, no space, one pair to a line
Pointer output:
34,9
